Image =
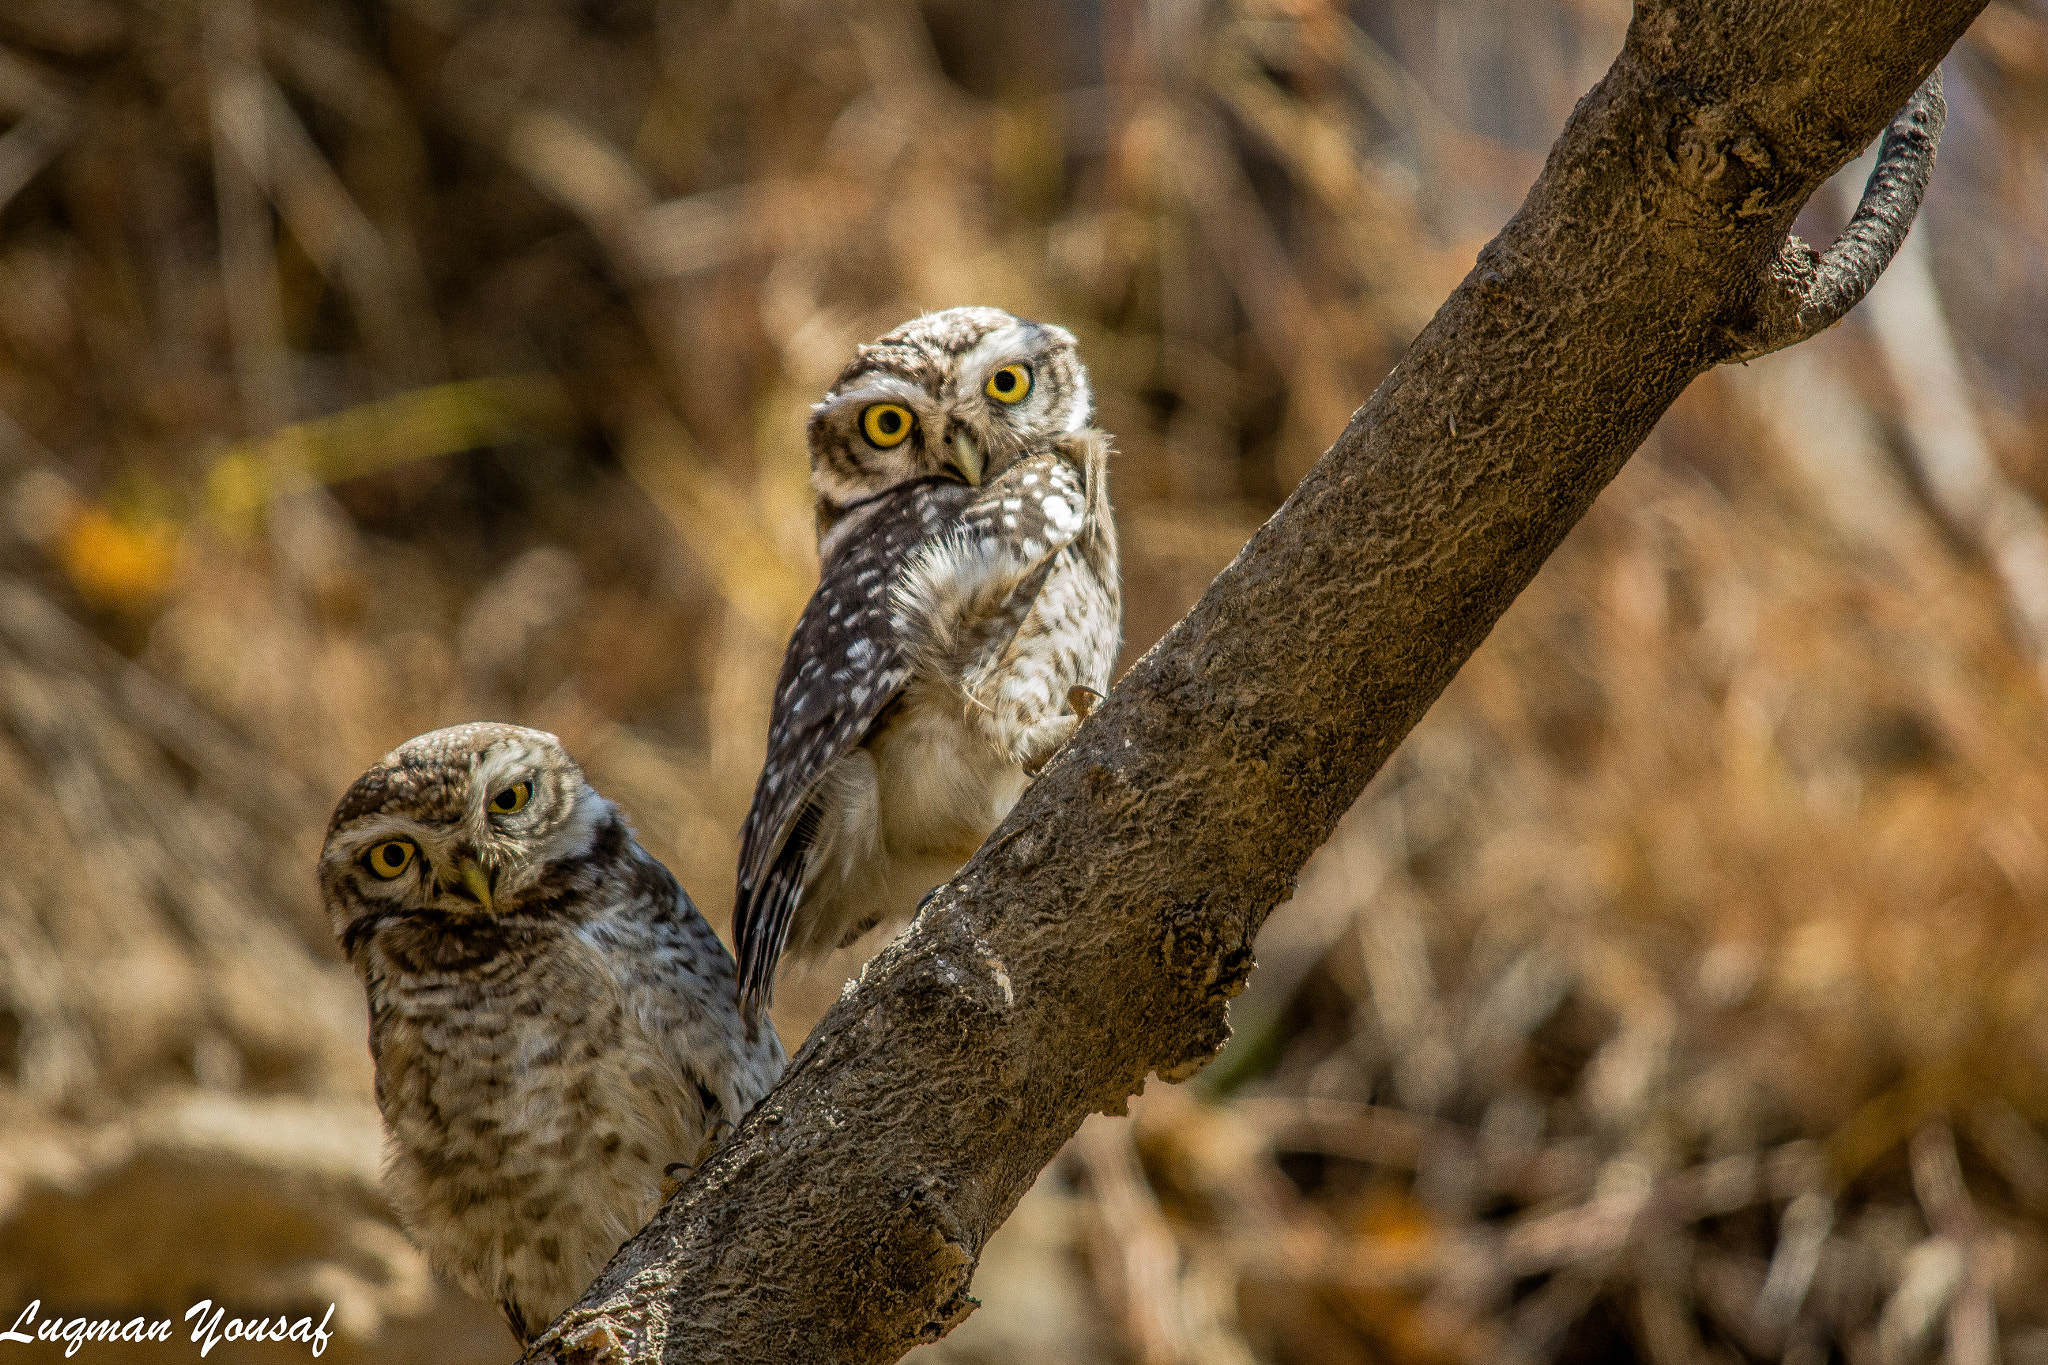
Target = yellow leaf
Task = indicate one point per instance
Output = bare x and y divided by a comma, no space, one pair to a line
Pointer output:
118,563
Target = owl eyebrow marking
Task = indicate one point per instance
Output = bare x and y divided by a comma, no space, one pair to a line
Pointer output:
901,366
367,831
1015,344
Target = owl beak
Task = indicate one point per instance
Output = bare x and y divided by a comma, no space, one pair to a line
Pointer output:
967,456
473,882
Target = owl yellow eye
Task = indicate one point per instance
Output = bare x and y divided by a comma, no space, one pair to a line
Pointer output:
1010,383
513,798
390,858
885,424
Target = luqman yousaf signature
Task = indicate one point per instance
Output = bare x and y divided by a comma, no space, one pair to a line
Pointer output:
213,1326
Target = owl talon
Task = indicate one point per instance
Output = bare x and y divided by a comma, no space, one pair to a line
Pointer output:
672,1177
714,1138
1082,701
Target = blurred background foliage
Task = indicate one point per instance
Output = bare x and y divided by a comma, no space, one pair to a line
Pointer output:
1676,994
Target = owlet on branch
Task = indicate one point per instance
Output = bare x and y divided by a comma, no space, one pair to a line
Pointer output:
553,1023
967,615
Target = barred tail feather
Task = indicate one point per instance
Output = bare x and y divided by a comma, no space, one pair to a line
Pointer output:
762,919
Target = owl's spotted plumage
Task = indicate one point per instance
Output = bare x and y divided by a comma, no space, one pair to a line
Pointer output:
553,1022
968,604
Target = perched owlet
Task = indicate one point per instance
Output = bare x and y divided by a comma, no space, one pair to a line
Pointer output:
968,612
553,1022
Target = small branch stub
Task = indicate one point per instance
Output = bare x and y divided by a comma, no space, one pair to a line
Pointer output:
1810,292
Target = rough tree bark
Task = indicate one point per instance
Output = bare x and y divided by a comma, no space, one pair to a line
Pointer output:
1098,935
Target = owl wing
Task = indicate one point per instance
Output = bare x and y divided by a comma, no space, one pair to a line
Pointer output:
965,595
846,662
1039,504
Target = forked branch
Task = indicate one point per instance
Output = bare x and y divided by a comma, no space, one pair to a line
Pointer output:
1812,292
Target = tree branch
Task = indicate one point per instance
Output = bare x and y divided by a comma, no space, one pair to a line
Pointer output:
1816,291
1100,932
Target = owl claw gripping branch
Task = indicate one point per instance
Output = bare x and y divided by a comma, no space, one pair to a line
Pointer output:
968,608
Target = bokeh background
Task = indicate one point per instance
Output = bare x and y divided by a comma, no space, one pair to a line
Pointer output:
1678,993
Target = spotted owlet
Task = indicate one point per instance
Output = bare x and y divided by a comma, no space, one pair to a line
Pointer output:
968,613
553,1022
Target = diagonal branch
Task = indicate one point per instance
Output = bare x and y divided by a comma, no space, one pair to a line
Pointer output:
1100,933
1814,292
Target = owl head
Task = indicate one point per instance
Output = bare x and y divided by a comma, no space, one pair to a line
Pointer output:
463,826
960,394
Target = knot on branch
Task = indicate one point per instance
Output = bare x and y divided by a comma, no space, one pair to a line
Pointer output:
1810,291
923,1267
1210,964
1721,159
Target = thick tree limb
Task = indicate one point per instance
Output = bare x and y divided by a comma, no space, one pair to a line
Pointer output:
1099,934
